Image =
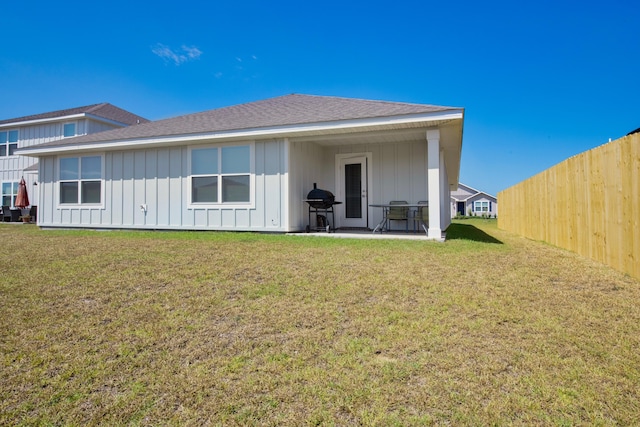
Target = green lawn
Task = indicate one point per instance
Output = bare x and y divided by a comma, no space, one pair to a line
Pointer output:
173,328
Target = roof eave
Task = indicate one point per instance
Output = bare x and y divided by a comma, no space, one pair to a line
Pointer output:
40,121
67,118
255,133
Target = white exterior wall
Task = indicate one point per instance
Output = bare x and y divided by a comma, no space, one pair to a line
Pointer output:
399,172
284,172
159,179
307,165
12,167
445,194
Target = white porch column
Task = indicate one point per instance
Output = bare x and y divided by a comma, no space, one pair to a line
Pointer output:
433,175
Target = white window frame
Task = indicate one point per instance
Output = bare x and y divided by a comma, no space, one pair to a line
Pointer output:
75,129
220,204
14,185
479,203
79,204
8,143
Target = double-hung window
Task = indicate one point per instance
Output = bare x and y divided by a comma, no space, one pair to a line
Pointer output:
480,206
221,175
8,142
81,180
9,193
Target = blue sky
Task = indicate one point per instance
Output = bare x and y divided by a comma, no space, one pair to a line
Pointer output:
540,81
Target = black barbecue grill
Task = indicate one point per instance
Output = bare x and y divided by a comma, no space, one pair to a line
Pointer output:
321,203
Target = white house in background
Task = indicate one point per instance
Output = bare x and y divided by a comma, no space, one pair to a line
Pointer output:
469,201
23,132
249,167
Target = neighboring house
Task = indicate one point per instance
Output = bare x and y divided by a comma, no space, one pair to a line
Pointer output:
249,167
23,132
469,201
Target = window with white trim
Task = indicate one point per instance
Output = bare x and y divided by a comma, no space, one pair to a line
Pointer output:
481,206
9,193
69,129
221,175
8,142
81,180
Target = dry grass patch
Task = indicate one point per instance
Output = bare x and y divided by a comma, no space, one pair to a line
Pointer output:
142,328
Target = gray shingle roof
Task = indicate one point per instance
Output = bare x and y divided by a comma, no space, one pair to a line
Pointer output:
285,110
104,110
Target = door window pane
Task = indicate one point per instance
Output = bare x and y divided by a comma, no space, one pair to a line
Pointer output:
353,188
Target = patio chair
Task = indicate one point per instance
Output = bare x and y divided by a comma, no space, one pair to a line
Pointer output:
6,214
398,213
34,213
422,215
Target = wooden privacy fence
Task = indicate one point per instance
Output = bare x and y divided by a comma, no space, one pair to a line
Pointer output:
589,204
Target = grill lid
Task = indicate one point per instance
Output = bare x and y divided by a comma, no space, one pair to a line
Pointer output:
320,199
319,194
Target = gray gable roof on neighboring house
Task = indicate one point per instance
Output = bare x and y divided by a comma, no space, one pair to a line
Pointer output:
103,110
288,110
471,193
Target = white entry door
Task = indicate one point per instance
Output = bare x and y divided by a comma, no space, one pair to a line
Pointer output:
352,180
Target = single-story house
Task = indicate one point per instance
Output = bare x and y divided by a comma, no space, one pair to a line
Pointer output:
249,167
469,201
21,132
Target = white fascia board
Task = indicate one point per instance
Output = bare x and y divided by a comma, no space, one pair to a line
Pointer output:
276,131
480,193
48,120
63,119
470,188
488,195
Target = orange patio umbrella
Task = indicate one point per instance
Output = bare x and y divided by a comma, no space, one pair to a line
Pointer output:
22,199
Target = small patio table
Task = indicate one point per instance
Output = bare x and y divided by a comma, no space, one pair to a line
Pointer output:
413,208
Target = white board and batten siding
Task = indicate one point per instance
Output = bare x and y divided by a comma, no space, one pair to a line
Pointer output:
12,168
306,160
398,172
159,179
